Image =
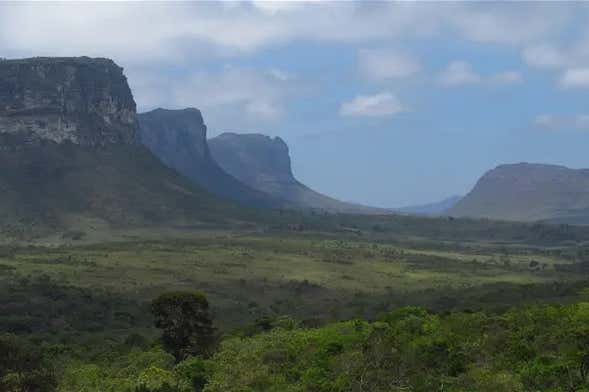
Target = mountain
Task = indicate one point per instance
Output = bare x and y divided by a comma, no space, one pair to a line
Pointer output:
263,163
431,209
179,139
68,152
529,192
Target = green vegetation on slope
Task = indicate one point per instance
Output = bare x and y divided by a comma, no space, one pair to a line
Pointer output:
527,348
65,187
278,298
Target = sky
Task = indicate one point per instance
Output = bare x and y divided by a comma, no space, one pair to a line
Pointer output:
381,103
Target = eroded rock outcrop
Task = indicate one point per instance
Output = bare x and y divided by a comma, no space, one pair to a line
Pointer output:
86,101
69,157
263,163
179,139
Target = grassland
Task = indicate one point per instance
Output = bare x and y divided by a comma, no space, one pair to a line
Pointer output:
311,275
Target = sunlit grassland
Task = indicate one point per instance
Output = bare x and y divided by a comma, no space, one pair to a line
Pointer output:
306,276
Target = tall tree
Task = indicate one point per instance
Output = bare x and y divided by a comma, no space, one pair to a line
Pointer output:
185,321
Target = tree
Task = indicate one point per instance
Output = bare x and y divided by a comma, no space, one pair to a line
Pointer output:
23,368
187,328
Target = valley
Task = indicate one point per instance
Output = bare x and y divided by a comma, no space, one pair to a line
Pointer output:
136,255
88,303
316,275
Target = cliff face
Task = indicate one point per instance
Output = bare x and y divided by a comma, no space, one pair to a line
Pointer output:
258,160
68,154
529,192
178,138
81,100
264,164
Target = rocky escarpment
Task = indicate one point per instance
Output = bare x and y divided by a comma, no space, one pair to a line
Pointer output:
264,164
178,138
68,154
258,160
82,100
529,192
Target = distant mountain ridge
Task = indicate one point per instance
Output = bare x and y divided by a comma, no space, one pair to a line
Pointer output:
179,139
263,163
529,192
431,209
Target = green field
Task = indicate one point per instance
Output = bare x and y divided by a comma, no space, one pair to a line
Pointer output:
84,299
311,275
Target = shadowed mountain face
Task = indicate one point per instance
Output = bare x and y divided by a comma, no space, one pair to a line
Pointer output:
178,138
529,192
264,164
68,151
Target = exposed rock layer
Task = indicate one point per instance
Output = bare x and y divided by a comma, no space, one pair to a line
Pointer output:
68,154
82,100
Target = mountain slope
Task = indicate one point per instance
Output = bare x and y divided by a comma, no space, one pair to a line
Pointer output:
529,192
178,138
68,151
264,164
121,185
431,209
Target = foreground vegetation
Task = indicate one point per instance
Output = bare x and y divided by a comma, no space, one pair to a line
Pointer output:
368,306
529,348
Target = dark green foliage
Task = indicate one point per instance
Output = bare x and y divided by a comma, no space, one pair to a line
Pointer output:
195,370
22,367
42,306
185,322
163,388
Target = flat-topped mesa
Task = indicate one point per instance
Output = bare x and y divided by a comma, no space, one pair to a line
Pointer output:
83,100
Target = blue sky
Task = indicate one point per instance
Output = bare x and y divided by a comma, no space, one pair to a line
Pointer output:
382,103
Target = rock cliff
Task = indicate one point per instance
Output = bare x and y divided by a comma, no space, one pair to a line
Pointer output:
179,139
69,155
82,100
264,164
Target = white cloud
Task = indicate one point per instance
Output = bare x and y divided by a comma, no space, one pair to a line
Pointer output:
578,77
506,77
510,23
544,56
582,121
377,105
144,36
231,97
561,123
379,64
280,75
547,121
571,58
458,73
165,30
